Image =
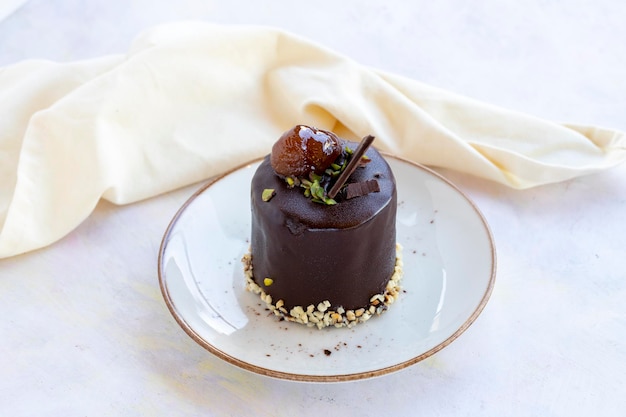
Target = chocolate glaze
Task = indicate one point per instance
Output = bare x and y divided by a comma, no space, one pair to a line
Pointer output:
343,253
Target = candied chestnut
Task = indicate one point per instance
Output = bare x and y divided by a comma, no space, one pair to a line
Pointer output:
304,149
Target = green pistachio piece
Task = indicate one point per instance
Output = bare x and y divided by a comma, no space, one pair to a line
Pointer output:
317,190
267,194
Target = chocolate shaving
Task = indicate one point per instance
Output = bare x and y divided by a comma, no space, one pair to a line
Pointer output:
352,165
359,189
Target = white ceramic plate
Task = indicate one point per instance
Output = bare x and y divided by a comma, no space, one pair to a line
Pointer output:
449,272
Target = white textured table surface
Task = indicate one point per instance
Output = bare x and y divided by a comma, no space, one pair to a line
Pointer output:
84,329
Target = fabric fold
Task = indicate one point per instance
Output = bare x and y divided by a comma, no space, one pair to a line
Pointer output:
190,100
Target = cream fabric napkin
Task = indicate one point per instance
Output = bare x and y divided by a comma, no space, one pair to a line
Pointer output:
190,100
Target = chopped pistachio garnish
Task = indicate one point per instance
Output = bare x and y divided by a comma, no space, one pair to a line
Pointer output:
267,194
268,281
315,185
317,190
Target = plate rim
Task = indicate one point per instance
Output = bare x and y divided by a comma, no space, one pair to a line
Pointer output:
323,378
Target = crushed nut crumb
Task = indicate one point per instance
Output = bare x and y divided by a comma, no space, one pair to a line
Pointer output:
321,315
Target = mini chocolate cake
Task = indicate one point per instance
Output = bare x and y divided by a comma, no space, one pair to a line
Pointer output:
319,256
